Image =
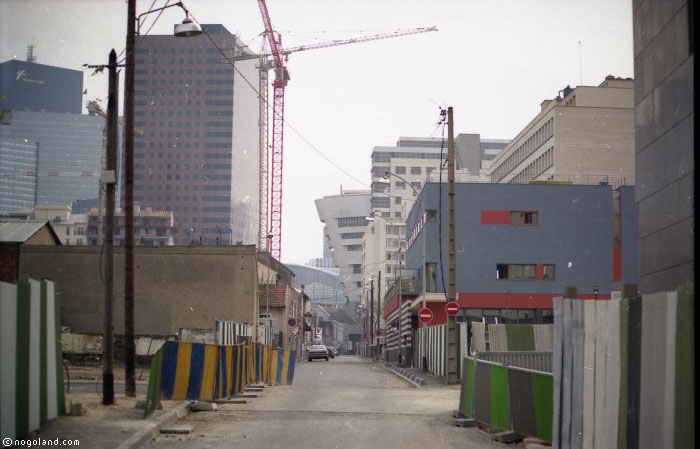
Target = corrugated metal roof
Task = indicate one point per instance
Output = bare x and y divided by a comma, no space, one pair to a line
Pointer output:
19,231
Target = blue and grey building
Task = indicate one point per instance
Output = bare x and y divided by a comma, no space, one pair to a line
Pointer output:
520,245
50,153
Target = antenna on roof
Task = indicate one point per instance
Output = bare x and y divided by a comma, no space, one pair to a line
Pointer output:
30,54
580,64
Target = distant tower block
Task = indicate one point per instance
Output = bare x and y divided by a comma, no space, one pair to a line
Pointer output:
30,54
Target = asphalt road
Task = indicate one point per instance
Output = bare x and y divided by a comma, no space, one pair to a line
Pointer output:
344,403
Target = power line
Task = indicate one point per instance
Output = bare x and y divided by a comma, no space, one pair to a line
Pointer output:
269,106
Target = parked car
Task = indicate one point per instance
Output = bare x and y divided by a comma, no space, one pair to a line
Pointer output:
318,352
331,352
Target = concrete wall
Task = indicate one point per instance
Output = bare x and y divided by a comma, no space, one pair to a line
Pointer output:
574,233
175,286
663,67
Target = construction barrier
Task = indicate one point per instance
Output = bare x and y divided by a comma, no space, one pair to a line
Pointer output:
624,371
230,333
196,371
534,360
507,398
514,337
31,372
432,344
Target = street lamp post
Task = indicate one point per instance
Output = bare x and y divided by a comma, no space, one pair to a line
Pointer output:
187,28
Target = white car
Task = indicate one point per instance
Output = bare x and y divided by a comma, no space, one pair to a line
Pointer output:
318,352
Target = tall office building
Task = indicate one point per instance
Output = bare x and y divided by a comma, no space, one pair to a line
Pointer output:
585,135
66,150
30,86
664,55
49,152
198,152
345,220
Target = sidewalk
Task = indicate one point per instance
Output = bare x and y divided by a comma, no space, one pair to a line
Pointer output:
109,427
415,376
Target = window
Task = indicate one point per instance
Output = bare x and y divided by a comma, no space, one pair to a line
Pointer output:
431,277
345,222
548,272
397,214
400,185
415,170
516,271
416,186
397,200
400,170
357,268
430,215
358,284
353,247
524,218
352,235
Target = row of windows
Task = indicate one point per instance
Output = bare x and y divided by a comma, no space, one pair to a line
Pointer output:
346,222
524,150
353,247
543,163
178,61
352,235
401,170
524,272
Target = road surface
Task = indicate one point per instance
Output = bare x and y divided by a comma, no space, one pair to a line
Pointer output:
344,403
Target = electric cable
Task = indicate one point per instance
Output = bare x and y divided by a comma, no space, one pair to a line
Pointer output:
285,121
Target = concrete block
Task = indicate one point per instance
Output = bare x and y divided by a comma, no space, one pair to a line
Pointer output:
231,401
465,422
252,389
76,409
200,406
248,395
142,405
179,430
506,437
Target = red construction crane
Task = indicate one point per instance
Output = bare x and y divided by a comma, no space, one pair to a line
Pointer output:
279,56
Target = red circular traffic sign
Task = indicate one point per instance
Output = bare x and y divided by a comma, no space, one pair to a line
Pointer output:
452,308
425,316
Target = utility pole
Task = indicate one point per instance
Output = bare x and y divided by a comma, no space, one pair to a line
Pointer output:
108,182
129,380
371,316
400,324
379,303
452,253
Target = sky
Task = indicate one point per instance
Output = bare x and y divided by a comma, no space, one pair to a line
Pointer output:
493,61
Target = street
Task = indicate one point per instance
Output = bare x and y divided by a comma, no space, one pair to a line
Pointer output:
344,403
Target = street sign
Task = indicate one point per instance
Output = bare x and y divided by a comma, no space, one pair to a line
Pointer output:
452,308
292,322
425,316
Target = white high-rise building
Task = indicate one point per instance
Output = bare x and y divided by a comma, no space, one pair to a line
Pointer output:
345,222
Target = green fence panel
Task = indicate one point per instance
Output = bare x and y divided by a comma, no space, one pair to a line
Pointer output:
153,393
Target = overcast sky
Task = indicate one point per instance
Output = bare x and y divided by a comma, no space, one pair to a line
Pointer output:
493,61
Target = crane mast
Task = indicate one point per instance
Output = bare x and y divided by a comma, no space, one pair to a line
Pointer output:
280,82
273,227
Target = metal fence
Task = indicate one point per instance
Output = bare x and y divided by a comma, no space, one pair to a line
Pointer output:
31,372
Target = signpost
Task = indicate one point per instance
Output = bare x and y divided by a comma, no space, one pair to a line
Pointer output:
425,315
452,308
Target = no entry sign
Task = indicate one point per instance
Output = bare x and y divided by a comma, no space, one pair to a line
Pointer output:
425,316
452,308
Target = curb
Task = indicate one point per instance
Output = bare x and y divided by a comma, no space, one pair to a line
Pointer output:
142,436
401,376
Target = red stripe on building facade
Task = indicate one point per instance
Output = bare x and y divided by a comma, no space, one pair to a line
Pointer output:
617,262
497,217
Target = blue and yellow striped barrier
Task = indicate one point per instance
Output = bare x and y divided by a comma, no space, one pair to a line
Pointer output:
183,370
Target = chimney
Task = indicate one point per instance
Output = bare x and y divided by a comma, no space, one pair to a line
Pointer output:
30,54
